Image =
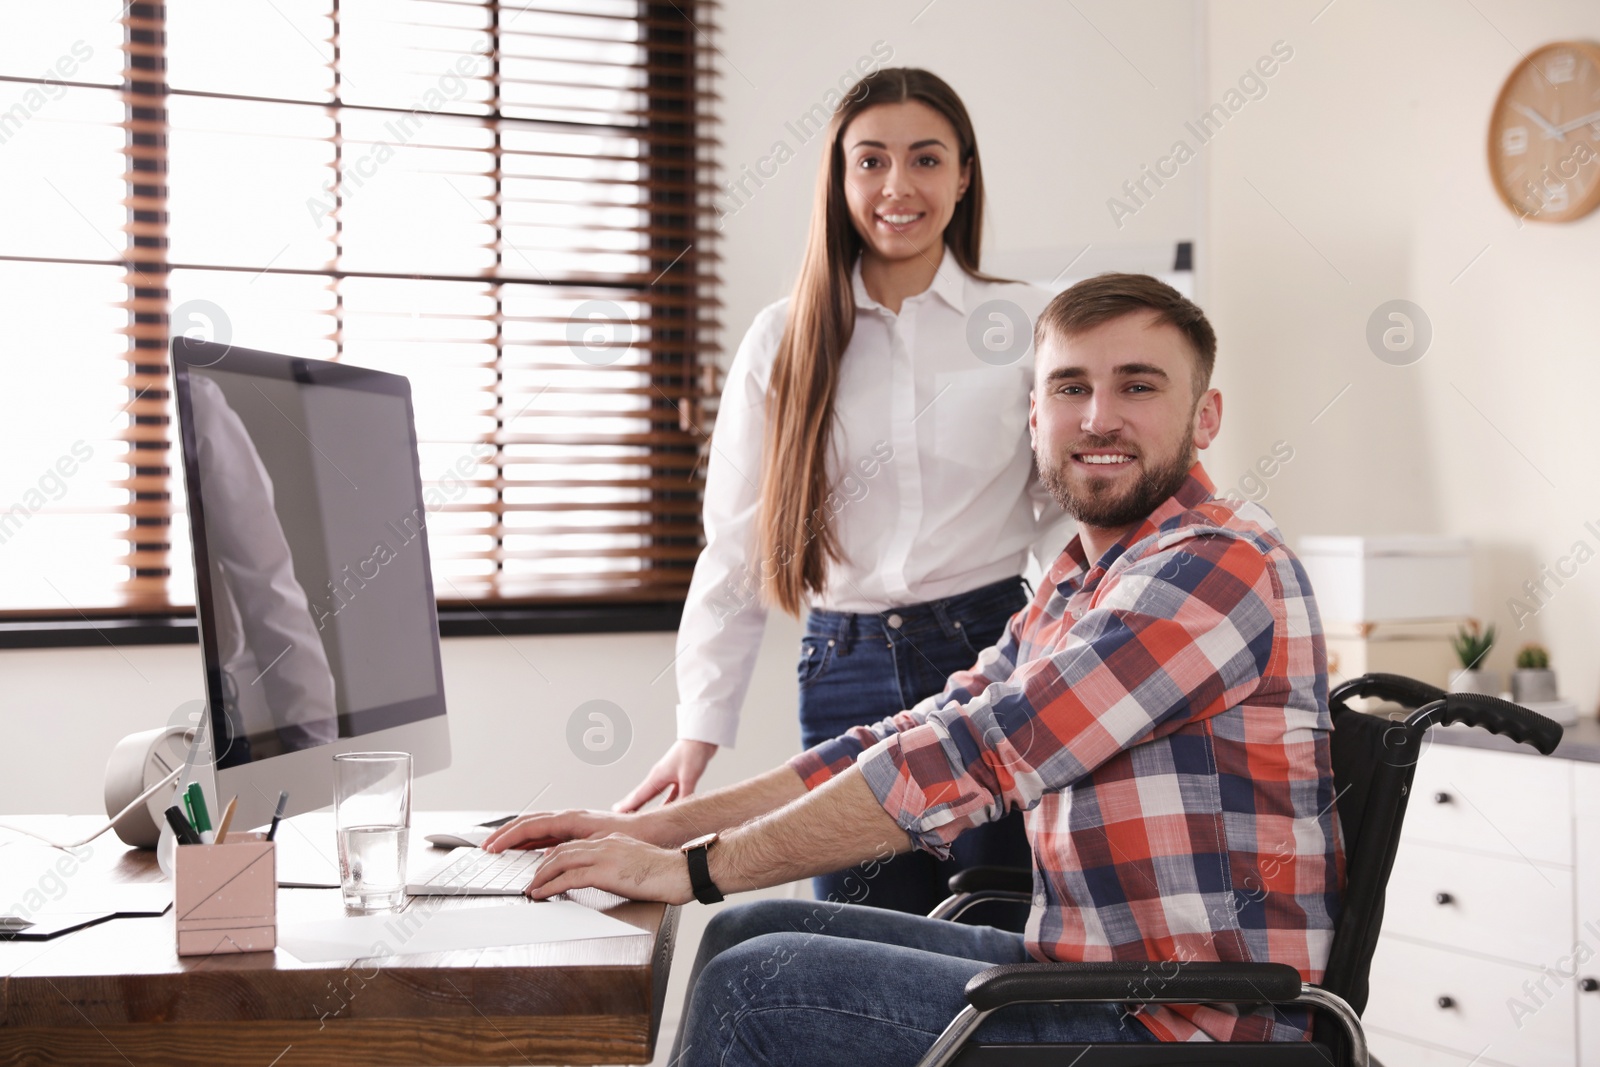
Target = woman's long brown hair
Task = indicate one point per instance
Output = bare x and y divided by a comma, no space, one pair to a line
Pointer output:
796,535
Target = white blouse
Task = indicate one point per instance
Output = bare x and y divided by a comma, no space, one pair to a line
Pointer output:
935,491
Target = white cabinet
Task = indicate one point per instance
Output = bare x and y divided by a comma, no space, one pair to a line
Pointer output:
1586,808
1443,896
1512,805
1492,919
1457,1001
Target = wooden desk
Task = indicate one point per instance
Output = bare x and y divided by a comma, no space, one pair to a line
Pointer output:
117,993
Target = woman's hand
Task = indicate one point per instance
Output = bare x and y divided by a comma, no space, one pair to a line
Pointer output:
618,864
679,771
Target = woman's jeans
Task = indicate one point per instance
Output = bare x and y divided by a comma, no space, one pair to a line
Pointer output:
858,669
816,983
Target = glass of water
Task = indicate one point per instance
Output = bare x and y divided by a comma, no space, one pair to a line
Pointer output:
372,803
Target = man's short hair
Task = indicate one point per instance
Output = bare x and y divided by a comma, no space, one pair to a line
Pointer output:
1104,297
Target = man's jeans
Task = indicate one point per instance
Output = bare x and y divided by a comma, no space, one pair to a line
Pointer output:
817,983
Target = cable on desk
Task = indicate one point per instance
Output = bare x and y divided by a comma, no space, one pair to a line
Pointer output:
118,817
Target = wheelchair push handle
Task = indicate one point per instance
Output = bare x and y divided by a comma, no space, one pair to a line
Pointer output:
1492,714
1395,687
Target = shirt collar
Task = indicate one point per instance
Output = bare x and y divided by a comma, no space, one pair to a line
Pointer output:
1196,489
950,284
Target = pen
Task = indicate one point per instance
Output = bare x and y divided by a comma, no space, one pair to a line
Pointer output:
181,827
197,804
227,817
277,815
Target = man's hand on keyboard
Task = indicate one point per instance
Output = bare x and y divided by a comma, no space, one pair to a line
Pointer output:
618,864
545,828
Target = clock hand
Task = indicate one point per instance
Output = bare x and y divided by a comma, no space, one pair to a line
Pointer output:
1549,130
1568,127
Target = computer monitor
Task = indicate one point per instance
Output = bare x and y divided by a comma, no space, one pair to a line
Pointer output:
318,626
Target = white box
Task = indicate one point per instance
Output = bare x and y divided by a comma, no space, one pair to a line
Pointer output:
1387,579
1419,650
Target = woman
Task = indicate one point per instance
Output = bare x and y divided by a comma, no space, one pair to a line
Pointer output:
871,462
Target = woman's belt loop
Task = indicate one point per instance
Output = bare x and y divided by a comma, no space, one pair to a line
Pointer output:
941,612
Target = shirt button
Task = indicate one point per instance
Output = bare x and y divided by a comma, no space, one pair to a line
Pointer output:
895,621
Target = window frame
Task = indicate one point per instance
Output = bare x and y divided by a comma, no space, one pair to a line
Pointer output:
182,628
670,37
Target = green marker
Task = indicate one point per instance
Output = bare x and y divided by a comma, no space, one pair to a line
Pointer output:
195,800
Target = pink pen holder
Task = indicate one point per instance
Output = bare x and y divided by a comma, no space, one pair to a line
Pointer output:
225,896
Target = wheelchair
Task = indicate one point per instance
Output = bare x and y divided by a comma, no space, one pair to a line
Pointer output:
1374,760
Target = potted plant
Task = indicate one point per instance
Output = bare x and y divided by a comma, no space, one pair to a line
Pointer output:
1472,646
1533,681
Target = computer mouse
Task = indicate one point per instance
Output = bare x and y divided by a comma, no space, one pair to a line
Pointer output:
473,838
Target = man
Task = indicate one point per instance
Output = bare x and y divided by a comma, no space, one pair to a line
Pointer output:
1159,710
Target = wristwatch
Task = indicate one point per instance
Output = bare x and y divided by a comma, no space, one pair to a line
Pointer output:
705,890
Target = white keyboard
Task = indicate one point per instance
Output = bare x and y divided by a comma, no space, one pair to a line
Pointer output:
472,872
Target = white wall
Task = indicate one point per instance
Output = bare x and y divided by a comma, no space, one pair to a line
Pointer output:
1361,178
509,701
1066,107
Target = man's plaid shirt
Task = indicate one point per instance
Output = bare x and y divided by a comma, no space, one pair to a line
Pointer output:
1162,717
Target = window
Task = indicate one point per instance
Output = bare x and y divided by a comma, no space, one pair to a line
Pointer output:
508,204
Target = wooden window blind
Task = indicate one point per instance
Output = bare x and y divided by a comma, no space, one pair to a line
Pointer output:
508,204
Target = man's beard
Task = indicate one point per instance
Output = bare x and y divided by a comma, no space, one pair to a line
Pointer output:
1094,507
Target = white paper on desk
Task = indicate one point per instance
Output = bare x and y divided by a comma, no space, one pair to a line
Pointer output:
45,881
119,898
308,851
447,930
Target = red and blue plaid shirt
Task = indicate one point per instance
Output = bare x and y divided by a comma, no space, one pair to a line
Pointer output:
1162,718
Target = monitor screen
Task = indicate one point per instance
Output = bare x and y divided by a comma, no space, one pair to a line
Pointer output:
313,588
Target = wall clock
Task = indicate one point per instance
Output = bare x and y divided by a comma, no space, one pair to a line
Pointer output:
1544,134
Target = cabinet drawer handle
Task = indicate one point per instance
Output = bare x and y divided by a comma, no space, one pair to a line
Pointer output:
1447,1002
1442,798
1443,898
1588,985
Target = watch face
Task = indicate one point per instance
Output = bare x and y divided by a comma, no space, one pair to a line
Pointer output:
1544,134
699,842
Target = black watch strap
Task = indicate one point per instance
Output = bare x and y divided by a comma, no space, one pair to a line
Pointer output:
705,890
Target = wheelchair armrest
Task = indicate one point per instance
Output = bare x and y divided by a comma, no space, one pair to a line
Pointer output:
986,879
1144,982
